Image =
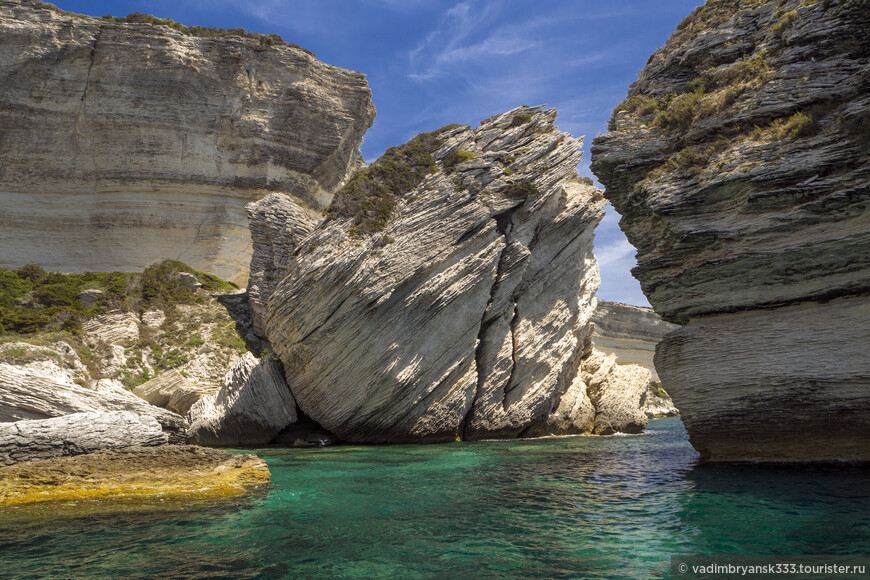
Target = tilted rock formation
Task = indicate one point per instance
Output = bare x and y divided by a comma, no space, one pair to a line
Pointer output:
251,408
29,395
278,225
143,473
127,143
456,305
741,166
76,434
629,332
172,391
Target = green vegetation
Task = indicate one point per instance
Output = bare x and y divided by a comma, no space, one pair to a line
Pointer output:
521,119
521,188
783,21
200,31
35,301
370,196
680,109
798,125
456,157
587,180
657,390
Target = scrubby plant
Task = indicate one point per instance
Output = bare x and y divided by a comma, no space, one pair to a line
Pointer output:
371,194
521,188
521,119
34,301
456,157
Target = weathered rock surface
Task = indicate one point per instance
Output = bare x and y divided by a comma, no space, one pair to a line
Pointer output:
468,314
169,471
121,328
741,166
629,332
172,391
658,403
33,395
126,143
76,434
252,407
278,225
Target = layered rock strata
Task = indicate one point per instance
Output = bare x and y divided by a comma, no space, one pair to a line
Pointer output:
740,166
278,225
629,332
135,473
171,390
25,394
77,434
450,294
93,153
251,408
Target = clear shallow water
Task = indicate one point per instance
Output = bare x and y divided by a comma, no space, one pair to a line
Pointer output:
585,507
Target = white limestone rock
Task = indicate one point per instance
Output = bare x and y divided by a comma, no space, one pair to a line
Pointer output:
76,434
467,315
251,408
137,142
171,390
29,395
116,328
278,225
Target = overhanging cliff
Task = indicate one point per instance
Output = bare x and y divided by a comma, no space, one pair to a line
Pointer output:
739,163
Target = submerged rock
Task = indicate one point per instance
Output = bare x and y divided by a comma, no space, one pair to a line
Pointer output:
251,408
76,434
741,166
449,295
146,473
127,142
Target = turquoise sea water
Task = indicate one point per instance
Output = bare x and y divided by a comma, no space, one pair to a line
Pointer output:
584,507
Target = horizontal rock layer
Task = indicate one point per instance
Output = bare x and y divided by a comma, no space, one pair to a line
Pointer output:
629,332
741,166
127,143
76,434
467,315
135,473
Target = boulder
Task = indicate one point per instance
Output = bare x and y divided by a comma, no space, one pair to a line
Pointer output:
76,434
455,305
172,391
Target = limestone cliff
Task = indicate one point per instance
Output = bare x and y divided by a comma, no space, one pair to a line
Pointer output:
741,167
127,143
449,295
629,332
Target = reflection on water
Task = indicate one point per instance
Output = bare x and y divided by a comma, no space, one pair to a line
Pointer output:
565,507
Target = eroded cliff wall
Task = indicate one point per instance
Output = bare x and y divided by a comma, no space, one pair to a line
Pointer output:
740,163
126,143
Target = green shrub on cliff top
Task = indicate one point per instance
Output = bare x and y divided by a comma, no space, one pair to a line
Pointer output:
34,301
370,196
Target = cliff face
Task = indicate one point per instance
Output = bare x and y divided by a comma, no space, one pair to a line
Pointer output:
450,294
126,143
629,332
740,165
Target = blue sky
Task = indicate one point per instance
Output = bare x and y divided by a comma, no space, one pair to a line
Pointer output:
433,62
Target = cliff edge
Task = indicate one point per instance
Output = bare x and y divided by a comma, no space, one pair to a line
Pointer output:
739,163
99,173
